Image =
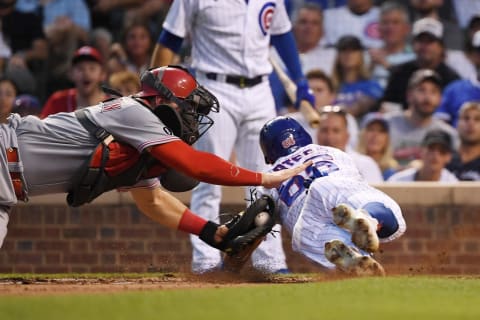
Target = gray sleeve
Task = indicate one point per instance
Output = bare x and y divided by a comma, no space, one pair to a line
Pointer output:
132,123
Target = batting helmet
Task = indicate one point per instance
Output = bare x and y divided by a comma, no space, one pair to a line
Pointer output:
176,84
282,136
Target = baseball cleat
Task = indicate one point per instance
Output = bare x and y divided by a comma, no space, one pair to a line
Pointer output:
360,224
349,260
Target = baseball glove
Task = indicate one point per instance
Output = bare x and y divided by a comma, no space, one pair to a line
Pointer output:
245,233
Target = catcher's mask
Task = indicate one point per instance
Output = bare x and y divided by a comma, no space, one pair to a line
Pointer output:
282,136
177,85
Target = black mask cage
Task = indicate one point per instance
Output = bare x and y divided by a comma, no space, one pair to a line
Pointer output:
193,109
203,100
194,113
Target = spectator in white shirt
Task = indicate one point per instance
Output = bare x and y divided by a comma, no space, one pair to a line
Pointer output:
333,132
394,28
309,35
436,153
358,18
466,62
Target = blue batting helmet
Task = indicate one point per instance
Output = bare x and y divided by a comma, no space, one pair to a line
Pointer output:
282,136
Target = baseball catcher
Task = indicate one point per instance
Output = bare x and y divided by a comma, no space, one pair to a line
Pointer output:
126,143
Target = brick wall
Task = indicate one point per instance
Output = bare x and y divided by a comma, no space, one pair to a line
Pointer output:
443,236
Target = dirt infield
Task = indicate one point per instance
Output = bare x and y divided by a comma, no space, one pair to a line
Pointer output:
50,285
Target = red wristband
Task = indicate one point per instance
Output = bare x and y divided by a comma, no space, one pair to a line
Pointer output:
191,223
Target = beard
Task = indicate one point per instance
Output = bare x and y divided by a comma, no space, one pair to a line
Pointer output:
424,112
469,142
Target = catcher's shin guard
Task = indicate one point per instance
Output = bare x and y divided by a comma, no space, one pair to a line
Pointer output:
245,233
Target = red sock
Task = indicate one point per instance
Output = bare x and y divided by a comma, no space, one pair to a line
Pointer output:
191,223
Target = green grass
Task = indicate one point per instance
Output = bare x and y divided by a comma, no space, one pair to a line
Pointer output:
406,298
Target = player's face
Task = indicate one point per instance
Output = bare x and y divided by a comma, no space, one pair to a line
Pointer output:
424,98
138,42
394,27
323,95
332,131
376,138
435,157
308,28
7,97
87,76
469,126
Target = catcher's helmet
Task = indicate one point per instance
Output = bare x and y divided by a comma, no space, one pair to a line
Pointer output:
282,136
176,84
177,80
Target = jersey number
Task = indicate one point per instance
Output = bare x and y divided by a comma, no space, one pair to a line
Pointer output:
298,184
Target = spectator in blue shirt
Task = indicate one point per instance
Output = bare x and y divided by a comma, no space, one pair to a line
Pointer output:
357,93
458,92
465,163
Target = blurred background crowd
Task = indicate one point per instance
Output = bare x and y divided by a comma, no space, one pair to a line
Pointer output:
396,82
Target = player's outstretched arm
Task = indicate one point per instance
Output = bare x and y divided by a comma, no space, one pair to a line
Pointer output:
210,168
275,179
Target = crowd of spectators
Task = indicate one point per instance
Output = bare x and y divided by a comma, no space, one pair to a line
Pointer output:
403,75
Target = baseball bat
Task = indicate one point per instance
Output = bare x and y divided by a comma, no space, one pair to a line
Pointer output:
307,110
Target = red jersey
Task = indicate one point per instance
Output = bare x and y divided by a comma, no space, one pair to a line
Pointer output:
60,101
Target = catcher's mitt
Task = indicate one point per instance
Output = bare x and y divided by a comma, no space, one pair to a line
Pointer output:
245,233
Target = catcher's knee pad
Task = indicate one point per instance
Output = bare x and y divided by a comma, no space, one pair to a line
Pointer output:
386,219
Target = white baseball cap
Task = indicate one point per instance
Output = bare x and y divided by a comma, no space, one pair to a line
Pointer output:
476,39
428,25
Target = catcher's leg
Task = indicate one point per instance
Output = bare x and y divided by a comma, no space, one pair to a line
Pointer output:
351,261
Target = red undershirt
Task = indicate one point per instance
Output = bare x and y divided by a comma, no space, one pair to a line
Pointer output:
204,166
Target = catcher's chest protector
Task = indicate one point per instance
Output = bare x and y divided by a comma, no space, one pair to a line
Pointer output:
111,165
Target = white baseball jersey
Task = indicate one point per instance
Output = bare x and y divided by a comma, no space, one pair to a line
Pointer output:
341,21
307,212
229,37
60,137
